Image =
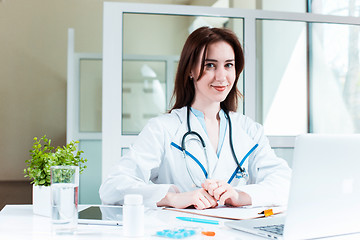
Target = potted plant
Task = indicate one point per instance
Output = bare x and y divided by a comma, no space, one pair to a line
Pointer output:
37,169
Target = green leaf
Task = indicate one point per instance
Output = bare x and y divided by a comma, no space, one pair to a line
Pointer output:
43,157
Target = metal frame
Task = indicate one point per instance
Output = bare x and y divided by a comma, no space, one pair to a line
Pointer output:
73,92
112,52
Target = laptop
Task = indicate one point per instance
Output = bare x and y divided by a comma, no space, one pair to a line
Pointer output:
324,198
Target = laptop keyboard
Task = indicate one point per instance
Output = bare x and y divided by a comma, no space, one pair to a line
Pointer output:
277,229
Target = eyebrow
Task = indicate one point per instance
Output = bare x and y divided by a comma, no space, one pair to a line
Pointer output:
214,60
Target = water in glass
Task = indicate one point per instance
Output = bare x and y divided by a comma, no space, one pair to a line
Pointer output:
64,207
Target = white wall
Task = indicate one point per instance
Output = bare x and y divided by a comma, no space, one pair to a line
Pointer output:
33,48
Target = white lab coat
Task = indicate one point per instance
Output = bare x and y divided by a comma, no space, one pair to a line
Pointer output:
155,164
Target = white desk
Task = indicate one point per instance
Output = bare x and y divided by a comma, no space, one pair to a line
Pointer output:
19,222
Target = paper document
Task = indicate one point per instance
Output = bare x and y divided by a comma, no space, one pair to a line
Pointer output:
233,213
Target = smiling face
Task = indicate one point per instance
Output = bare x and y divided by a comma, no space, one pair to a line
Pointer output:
218,76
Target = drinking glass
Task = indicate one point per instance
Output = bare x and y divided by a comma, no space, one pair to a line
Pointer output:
64,198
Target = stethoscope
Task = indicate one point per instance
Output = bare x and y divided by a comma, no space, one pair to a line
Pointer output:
190,132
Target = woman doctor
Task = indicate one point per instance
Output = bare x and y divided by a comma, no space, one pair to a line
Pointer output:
202,153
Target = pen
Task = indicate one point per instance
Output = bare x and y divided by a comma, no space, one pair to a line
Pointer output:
200,220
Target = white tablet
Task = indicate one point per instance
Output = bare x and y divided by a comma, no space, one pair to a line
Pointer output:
101,215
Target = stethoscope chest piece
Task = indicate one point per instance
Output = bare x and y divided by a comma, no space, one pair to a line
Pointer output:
242,174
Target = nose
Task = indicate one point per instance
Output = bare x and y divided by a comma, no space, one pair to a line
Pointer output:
221,74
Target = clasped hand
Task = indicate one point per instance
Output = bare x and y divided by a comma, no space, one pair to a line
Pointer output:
222,192
212,193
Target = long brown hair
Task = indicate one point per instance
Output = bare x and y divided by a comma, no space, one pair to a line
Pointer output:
184,90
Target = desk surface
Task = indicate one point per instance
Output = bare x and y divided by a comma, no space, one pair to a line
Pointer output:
19,222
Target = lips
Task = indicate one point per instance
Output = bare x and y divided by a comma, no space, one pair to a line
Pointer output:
219,88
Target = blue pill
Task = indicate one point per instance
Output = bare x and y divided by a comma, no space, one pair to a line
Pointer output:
179,235
169,234
160,233
176,234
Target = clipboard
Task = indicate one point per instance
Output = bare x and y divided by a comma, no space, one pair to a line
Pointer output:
231,213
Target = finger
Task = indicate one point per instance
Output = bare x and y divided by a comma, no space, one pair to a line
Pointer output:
207,199
224,197
221,183
207,183
222,187
218,192
213,186
201,203
211,200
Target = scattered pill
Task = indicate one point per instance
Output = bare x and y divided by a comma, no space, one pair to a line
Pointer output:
208,233
176,234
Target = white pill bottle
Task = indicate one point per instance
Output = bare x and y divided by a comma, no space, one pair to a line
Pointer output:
133,216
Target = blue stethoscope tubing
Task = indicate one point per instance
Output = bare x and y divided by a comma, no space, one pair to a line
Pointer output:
190,132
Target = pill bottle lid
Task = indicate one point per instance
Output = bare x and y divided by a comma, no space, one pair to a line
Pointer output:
133,199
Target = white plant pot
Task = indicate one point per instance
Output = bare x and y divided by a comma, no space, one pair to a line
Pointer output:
42,200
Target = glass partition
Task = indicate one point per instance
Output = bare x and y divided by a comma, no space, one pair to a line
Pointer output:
335,78
336,7
282,77
144,91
